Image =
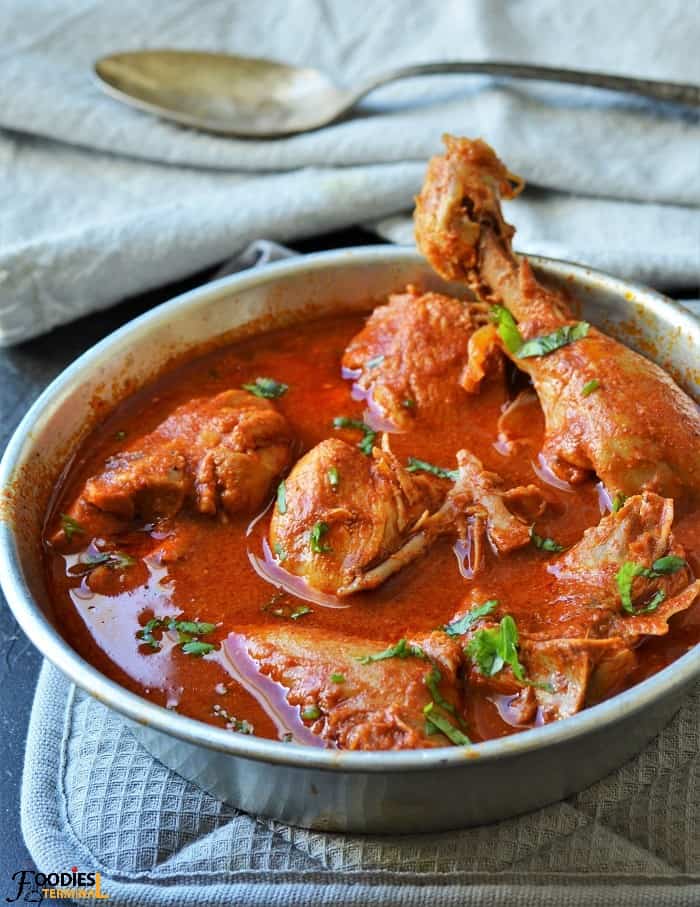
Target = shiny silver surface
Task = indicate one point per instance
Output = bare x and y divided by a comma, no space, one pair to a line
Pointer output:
355,791
258,98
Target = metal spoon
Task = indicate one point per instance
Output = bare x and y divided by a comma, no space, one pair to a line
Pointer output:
255,98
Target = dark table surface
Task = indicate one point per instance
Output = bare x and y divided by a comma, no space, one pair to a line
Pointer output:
25,371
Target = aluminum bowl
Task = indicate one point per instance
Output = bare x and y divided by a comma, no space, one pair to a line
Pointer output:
395,792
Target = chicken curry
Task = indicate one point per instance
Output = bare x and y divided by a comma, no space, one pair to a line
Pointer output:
439,522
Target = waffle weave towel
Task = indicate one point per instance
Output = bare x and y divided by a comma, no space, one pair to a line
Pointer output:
92,797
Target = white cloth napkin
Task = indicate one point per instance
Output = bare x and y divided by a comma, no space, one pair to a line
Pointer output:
100,201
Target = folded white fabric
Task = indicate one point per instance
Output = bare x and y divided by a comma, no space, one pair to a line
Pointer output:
99,201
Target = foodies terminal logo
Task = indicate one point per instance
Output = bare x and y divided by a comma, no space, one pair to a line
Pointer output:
32,887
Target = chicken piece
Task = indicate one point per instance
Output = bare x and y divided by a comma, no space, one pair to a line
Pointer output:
638,430
218,454
639,531
377,705
504,516
411,353
562,671
350,521
559,675
639,534
587,651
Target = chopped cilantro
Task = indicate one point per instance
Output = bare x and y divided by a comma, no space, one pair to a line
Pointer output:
671,563
71,527
630,570
548,343
145,634
267,387
280,553
507,328
282,497
197,648
193,627
590,386
279,608
115,560
401,649
462,624
445,726
432,681
369,435
310,713
491,650
186,631
338,678
545,543
618,501
333,477
416,465
408,403
315,539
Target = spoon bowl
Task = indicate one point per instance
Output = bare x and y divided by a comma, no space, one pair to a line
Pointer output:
255,98
243,96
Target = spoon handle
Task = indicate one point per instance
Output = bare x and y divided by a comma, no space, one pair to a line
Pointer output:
675,92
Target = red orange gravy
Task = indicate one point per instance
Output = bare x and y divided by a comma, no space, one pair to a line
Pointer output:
215,581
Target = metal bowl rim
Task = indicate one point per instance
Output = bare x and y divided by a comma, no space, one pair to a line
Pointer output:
51,644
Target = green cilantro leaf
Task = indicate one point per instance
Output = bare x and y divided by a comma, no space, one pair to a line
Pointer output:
462,624
630,570
416,465
186,630
671,563
333,477
589,387
618,502
401,649
544,543
282,497
267,387
548,343
369,435
315,538
493,649
192,627
310,713
71,527
197,648
507,328
444,726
